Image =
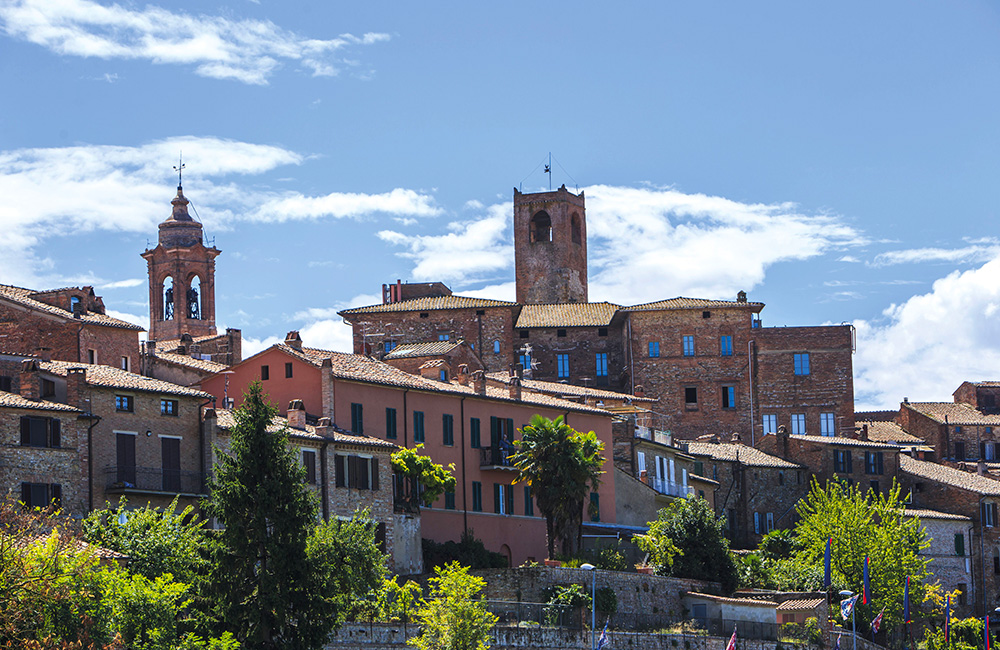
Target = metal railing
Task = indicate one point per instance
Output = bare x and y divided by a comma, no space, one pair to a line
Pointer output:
495,457
153,479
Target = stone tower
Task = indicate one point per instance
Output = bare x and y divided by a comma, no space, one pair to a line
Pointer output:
181,278
550,247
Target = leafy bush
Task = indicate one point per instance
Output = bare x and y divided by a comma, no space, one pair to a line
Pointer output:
469,552
606,600
777,545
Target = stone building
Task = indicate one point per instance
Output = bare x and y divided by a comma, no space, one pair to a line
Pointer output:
410,357
68,324
950,552
710,363
958,431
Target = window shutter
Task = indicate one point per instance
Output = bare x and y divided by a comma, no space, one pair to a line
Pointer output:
993,514
982,450
54,433
25,431
55,494
850,468
374,473
510,499
510,429
340,470
880,465
494,431
959,544
496,498
26,494
352,471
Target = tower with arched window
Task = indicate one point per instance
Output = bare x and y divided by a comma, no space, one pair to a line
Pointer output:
181,278
550,247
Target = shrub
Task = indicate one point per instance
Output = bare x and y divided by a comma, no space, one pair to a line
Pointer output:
469,552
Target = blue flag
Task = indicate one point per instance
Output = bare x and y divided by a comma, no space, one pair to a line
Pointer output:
603,642
906,602
866,591
847,606
827,578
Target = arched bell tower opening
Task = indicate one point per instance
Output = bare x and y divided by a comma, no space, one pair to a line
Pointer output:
181,277
550,247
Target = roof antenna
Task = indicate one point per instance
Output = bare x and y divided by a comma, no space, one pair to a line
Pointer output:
179,168
548,170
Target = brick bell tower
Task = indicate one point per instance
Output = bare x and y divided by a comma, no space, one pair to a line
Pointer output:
181,278
550,247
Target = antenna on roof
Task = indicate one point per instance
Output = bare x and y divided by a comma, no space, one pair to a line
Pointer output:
548,170
179,168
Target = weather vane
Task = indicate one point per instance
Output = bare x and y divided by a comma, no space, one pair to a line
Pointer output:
179,168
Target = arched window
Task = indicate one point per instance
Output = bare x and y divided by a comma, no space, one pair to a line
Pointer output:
496,347
168,298
73,302
576,232
541,227
193,293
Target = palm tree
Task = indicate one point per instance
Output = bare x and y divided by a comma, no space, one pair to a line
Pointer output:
561,465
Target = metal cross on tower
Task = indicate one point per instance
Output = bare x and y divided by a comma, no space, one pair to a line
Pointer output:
179,168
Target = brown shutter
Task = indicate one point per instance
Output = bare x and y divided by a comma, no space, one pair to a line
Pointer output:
25,431
54,433
55,494
380,536
374,473
26,494
352,471
339,466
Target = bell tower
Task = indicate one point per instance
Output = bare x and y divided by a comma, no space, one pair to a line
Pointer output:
550,247
181,278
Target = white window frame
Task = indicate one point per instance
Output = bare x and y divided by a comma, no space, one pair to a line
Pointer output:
798,419
756,523
770,521
769,422
827,425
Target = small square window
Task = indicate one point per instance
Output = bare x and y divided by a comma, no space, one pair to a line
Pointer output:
480,312
561,333
690,395
288,370
443,337
123,403
602,331
523,334
168,407
706,314
424,314
265,373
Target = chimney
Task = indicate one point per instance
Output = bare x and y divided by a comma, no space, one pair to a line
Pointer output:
326,389
479,382
864,431
45,354
185,344
151,348
463,374
519,371
736,439
515,388
296,414
293,340
323,427
76,387
639,391
741,296
79,309
781,438
981,467
906,400
30,382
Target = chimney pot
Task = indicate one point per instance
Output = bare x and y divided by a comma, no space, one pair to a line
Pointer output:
296,414
30,382
479,382
293,340
515,388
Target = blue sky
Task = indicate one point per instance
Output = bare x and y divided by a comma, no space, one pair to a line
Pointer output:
839,163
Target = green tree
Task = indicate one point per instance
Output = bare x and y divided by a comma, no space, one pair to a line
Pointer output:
687,540
263,582
433,479
562,466
452,617
865,524
156,541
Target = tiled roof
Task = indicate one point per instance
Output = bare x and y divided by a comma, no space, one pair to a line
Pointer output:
729,452
429,304
556,388
191,362
732,601
171,345
23,297
226,421
843,442
108,377
15,401
949,476
800,603
888,432
932,514
80,546
433,363
696,303
874,416
988,384
428,349
574,314
957,414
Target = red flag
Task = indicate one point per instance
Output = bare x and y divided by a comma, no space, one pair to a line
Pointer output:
732,640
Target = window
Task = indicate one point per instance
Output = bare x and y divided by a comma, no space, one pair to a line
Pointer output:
726,346
477,496
503,499
523,334
688,346
449,500
561,333
959,543
123,403
699,468
443,375
5,384
40,495
496,347
170,462
529,505
706,314
125,457
962,588
769,422
124,363
781,478
827,425
756,523
443,337
595,506
541,228
40,432
389,346
602,364
799,424
265,373
770,521
801,362
729,397
989,514
92,356
959,451
874,486
424,314
873,462
357,472
602,331
842,461
390,423
525,361
690,396
309,462
168,407
654,348
418,426
448,429
288,370
987,450
357,419
475,441
562,366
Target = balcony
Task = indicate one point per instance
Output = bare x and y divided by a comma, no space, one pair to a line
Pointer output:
669,488
153,480
661,437
495,458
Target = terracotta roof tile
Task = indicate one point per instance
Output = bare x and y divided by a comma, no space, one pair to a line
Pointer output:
574,314
560,389
171,345
732,601
957,414
729,452
428,304
949,476
191,362
428,349
23,297
696,303
888,432
933,514
226,421
800,603
108,377
844,442
15,401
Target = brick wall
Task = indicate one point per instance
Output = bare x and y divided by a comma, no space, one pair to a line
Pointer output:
581,344
553,270
950,569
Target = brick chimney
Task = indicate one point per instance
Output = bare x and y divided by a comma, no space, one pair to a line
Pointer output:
293,340
326,389
296,414
463,374
76,388
323,427
185,345
981,467
863,434
781,440
45,354
639,391
31,383
736,438
479,382
514,388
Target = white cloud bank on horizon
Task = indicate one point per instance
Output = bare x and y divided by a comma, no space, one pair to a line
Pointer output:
927,346
980,250
58,191
248,51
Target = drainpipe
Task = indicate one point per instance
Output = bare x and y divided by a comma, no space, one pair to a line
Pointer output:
405,420
982,554
325,485
461,430
94,421
750,345
631,359
201,439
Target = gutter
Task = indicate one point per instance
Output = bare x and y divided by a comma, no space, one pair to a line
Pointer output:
461,428
94,421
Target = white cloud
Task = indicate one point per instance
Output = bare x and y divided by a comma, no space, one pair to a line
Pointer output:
979,251
59,191
243,50
848,258
251,346
326,330
142,321
123,284
927,346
